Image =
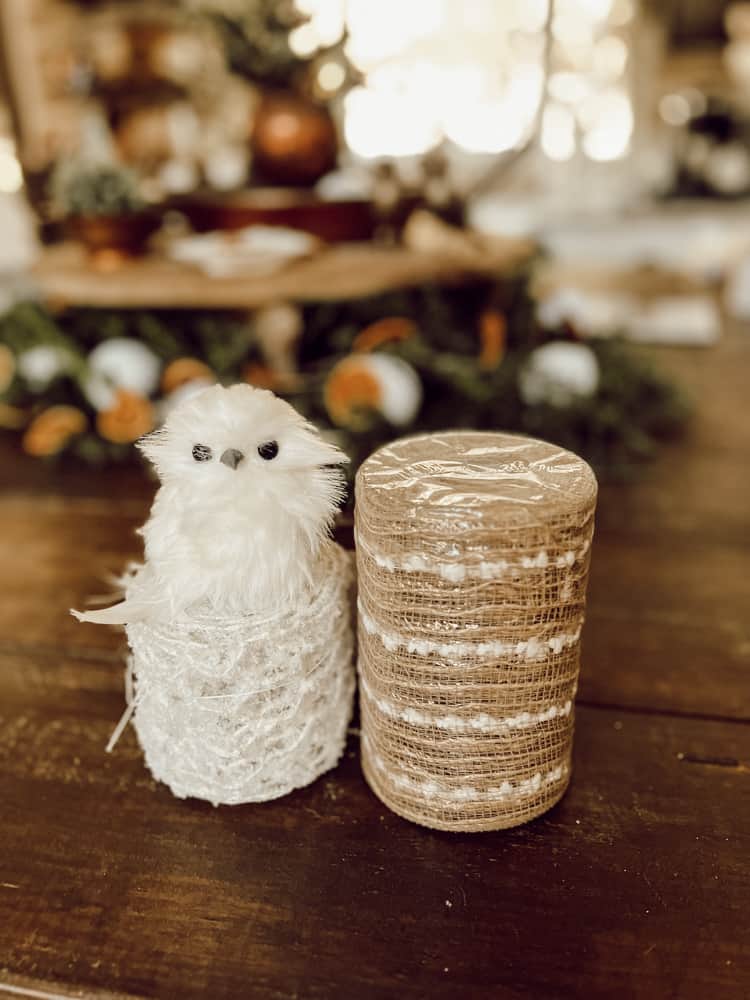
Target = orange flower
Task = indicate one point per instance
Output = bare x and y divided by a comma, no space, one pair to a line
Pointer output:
131,417
384,331
184,370
51,430
350,392
7,367
493,332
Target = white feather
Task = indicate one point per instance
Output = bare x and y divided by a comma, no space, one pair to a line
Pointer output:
232,540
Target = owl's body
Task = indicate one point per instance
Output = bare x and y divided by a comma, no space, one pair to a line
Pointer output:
259,558
248,492
239,617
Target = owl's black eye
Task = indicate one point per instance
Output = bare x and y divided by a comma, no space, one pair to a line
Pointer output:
268,450
202,453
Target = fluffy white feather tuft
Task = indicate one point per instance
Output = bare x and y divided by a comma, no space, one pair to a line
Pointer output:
249,491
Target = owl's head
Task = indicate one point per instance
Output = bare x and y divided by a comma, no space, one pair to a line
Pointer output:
244,449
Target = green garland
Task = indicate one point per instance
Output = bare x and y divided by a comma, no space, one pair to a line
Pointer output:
632,409
220,339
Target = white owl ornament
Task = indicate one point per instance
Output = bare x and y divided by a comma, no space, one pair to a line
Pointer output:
239,620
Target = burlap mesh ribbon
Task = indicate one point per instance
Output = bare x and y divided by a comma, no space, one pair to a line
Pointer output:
472,555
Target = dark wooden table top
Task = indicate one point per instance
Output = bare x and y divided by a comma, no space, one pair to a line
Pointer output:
636,885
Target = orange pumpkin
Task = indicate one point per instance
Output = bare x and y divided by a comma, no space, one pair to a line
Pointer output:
493,333
350,392
129,418
184,370
52,429
384,331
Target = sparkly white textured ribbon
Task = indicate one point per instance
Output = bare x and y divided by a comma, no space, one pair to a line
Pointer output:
481,722
528,649
508,790
455,572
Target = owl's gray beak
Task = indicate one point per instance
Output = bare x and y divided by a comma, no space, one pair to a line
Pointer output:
232,458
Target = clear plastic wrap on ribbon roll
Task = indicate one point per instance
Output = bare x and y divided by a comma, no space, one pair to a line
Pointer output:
472,556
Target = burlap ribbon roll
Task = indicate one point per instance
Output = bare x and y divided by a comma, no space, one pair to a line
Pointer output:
472,554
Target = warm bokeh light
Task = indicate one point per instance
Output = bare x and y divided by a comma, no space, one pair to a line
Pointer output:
590,107
622,13
558,132
570,88
609,57
331,76
326,19
433,70
378,124
11,176
531,15
594,10
488,125
474,74
303,40
609,125
675,109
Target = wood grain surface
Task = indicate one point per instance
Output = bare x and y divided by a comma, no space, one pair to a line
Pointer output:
635,885
63,274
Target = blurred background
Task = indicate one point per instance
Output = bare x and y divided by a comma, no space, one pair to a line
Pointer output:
398,215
